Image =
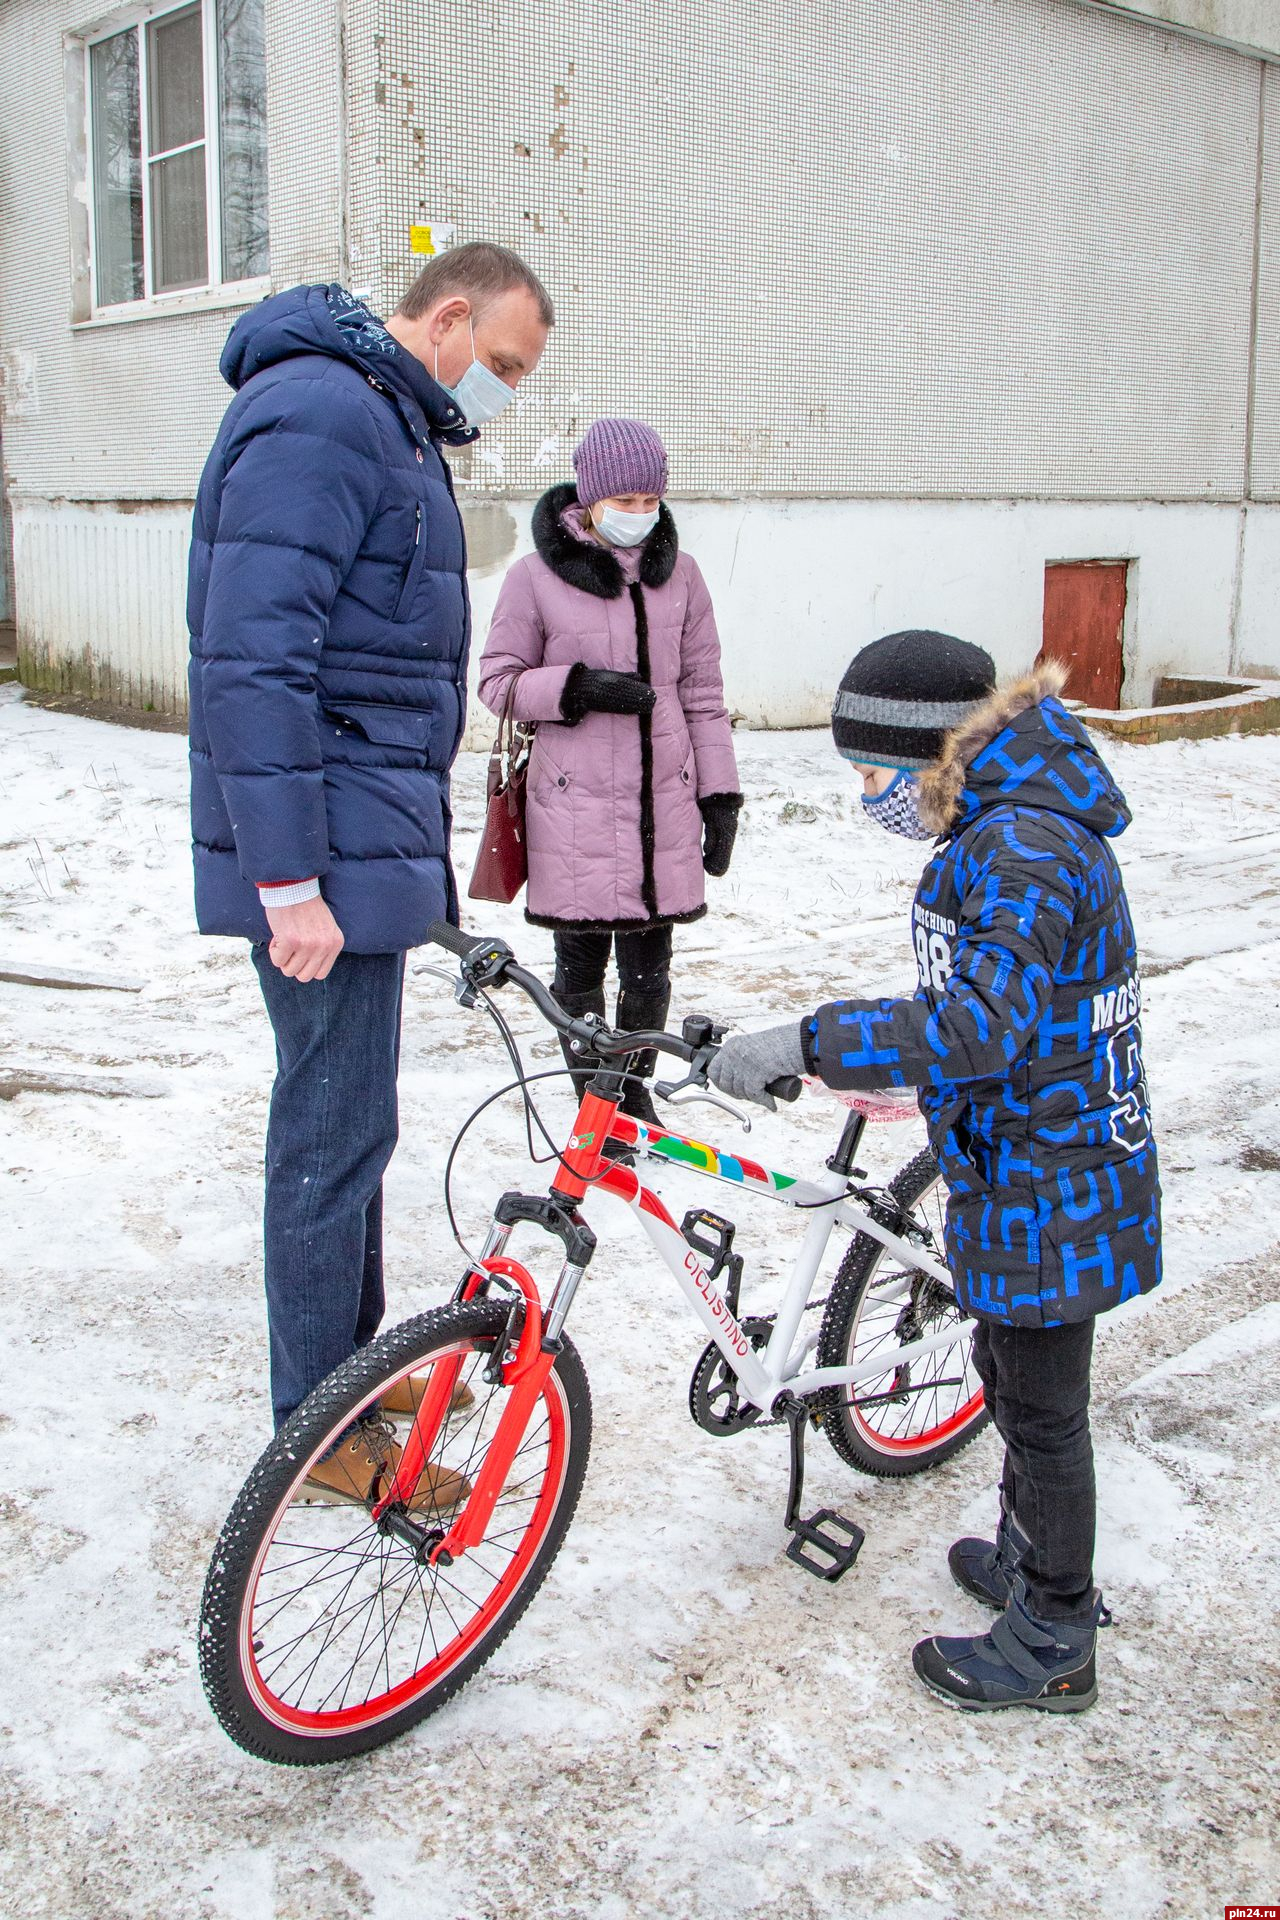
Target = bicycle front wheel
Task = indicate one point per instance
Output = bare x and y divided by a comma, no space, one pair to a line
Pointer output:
322,1635
910,1415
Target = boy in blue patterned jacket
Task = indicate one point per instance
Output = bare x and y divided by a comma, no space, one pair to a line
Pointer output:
1023,1040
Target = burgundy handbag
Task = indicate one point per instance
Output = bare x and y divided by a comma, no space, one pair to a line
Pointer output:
502,864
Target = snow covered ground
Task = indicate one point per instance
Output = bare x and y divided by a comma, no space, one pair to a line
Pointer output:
684,1724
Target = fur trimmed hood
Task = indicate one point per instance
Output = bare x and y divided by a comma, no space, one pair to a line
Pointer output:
593,569
942,782
1047,760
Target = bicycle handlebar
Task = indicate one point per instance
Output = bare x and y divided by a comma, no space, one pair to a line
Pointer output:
500,964
442,934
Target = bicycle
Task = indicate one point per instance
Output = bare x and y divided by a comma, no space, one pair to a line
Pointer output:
328,1629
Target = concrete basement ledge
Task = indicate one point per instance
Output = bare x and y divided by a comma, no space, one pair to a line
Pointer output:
1192,709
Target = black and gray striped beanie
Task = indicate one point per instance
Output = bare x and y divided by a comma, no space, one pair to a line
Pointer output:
902,695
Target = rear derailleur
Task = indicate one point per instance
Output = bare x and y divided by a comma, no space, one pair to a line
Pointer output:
928,1302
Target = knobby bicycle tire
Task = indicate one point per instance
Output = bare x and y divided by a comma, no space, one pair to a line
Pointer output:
253,1629
904,1425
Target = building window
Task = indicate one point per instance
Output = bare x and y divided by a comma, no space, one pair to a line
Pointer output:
178,151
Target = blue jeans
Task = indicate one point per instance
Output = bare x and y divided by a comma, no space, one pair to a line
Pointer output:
332,1130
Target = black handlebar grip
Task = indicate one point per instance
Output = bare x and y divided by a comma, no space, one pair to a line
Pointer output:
441,934
789,1087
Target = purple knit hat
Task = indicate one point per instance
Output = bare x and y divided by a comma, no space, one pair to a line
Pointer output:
617,457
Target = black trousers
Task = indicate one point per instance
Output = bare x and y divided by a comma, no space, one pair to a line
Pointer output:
1036,1381
644,971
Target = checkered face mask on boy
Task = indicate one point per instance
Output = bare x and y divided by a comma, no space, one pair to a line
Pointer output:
896,808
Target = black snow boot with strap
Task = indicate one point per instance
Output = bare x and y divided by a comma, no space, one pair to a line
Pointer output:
575,1005
1021,1662
985,1568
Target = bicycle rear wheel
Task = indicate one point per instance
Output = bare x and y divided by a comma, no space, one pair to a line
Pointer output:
911,1415
321,1635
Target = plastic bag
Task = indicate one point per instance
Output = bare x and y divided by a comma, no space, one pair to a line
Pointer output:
876,1104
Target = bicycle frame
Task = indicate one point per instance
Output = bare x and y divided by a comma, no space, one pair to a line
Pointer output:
778,1367
762,1374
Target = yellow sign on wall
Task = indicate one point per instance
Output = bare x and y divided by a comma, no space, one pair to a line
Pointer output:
431,239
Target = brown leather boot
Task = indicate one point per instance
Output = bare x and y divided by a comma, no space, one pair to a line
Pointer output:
358,1473
403,1400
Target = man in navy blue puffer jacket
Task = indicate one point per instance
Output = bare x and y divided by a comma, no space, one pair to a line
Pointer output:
329,621
1023,1039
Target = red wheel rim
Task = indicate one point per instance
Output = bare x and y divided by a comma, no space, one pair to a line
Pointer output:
924,1441
379,1706
937,1435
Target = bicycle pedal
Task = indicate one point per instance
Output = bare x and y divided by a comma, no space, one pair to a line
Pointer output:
816,1544
711,1236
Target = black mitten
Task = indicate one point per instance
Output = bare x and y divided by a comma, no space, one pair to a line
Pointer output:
719,830
601,690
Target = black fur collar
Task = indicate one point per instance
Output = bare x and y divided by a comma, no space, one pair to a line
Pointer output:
593,569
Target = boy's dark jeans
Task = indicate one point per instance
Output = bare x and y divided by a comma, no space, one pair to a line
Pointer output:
1036,1381
332,1130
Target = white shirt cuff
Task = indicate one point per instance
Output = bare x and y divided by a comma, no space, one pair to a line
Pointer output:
291,894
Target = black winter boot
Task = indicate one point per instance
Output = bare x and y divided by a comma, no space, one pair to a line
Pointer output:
637,1012
985,1568
1021,1662
577,1004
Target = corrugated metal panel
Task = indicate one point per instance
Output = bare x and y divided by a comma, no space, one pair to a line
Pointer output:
1265,477
830,246
101,601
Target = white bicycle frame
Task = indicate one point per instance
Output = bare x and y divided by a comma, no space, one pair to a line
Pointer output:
764,1373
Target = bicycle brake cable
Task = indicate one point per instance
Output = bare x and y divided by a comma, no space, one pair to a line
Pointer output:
523,1081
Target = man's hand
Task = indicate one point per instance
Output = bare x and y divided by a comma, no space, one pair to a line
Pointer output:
305,940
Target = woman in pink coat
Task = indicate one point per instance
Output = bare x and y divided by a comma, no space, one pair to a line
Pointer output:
608,633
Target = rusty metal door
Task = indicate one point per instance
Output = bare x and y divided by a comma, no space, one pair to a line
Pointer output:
1084,602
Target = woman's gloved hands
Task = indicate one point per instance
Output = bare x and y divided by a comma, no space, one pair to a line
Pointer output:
719,830
601,690
748,1063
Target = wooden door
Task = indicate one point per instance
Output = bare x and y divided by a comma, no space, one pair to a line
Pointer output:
1084,602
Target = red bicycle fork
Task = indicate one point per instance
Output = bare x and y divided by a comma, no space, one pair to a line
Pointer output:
525,1375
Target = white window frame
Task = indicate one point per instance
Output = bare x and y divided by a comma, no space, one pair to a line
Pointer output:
213,291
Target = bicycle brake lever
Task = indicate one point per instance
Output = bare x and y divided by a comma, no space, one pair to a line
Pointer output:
463,992
694,1090
440,973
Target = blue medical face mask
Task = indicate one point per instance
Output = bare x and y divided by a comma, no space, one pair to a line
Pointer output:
480,394
897,808
626,529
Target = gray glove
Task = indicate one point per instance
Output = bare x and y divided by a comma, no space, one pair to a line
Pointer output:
748,1062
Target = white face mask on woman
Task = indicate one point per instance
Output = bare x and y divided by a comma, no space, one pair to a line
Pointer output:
626,529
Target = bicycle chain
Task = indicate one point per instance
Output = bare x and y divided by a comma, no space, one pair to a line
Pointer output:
769,1319
756,1324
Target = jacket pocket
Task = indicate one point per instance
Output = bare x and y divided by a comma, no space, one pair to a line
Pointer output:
382,725
547,777
413,573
